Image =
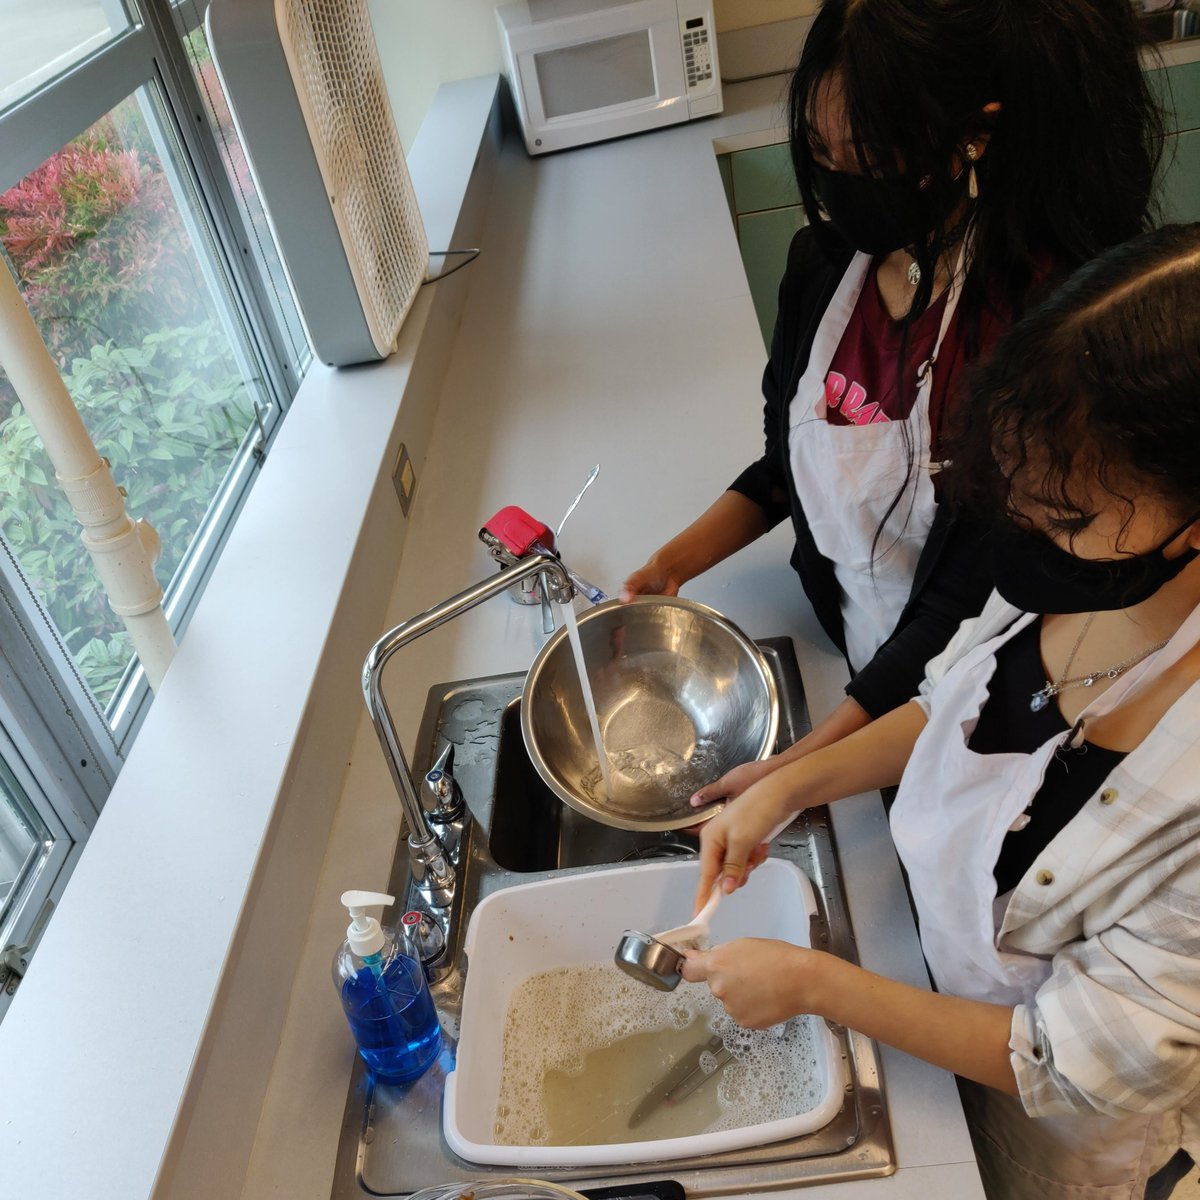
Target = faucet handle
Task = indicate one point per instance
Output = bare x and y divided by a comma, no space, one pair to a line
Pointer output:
511,535
441,797
427,941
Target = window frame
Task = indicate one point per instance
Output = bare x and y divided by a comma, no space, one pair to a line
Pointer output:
57,746
62,749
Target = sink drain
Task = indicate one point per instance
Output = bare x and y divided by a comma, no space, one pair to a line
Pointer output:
666,849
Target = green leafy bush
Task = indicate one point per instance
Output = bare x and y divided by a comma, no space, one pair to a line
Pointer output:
180,395
108,271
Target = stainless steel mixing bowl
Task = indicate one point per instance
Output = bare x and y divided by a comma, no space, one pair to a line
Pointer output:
682,695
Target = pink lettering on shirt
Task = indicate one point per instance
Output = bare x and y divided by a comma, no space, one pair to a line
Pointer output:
852,401
866,415
855,399
835,385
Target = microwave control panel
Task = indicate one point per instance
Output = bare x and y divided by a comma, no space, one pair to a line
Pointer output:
697,53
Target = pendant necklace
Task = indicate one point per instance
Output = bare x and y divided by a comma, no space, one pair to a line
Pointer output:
1039,699
914,273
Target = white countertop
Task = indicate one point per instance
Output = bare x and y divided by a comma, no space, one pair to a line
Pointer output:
608,320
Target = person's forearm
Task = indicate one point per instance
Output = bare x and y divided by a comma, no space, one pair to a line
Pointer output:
870,758
847,718
967,1037
730,523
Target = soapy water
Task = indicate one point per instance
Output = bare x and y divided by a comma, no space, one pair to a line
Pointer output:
583,1046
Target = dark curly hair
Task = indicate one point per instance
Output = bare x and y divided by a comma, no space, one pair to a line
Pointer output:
1100,381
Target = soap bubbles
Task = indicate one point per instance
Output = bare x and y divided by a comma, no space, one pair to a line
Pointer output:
557,1018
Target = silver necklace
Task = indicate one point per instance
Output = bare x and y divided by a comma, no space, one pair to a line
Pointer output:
914,273
1039,699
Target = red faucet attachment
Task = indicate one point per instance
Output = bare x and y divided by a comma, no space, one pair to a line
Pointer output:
518,532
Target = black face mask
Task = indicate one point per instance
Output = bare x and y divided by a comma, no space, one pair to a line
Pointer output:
875,216
1035,575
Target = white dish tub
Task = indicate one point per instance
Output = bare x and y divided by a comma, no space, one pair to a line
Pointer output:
577,920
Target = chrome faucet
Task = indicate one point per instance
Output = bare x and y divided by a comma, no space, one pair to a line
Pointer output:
433,863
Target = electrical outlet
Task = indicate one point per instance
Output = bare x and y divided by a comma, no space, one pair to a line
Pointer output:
405,478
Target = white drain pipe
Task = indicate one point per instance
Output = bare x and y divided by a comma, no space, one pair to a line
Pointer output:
124,551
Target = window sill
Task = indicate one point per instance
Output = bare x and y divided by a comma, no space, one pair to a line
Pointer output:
137,1052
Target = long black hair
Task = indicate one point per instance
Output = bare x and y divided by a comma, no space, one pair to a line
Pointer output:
1100,381
1070,164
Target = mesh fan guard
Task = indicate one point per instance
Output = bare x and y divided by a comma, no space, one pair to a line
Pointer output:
334,63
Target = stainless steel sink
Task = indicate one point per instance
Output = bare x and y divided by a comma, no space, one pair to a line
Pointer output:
391,1141
532,830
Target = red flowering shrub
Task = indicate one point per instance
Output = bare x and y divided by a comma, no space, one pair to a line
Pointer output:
108,271
66,201
99,246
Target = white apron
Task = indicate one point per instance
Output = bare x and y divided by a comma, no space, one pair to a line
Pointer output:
846,476
950,817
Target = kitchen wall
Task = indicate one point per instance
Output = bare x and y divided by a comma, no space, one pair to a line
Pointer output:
743,14
424,43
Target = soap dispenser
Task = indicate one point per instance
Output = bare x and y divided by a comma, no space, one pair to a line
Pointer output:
385,995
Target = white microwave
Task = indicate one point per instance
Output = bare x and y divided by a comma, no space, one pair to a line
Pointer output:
585,70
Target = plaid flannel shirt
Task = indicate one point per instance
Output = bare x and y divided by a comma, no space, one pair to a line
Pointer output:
1114,904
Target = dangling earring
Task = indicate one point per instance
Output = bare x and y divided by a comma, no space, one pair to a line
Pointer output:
972,179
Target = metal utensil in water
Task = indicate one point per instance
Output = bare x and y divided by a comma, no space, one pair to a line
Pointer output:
587,483
657,959
699,1064
701,1072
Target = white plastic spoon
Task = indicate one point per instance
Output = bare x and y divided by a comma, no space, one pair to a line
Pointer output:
687,937
657,959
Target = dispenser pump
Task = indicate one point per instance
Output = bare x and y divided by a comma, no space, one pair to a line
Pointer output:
365,935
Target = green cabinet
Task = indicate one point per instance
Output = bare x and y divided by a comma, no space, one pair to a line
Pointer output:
764,238
1178,88
1179,189
761,189
765,204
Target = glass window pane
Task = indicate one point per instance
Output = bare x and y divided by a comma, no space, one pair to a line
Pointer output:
112,261
23,840
237,168
42,38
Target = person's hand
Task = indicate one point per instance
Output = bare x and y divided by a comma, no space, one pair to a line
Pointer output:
734,842
760,982
654,579
733,783
729,523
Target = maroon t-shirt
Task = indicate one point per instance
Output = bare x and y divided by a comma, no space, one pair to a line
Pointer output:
860,386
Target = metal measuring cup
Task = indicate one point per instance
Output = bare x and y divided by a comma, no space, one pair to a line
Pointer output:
657,959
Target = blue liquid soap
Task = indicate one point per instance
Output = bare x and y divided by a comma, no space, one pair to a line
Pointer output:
392,1017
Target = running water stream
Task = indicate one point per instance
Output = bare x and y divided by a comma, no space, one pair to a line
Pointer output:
589,701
